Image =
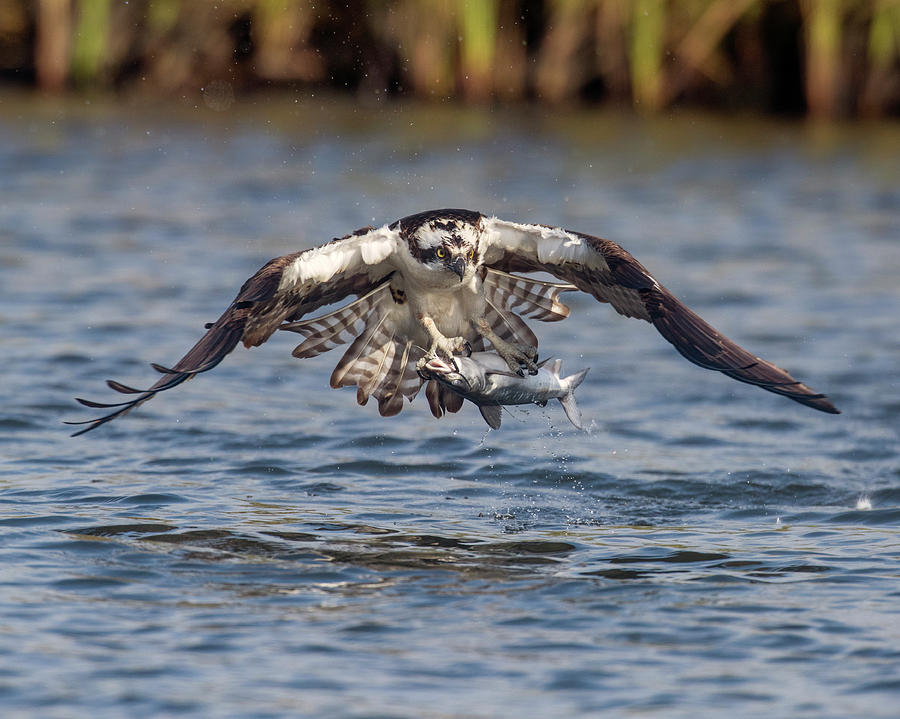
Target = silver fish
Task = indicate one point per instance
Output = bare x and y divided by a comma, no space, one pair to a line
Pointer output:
484,379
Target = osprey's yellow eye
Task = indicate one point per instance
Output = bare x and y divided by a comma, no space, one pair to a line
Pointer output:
471,255
441,253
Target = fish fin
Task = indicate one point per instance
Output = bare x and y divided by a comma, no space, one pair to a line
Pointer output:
568,402
571,409
556,367
492,414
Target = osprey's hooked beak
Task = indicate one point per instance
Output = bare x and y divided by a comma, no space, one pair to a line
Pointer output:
459,267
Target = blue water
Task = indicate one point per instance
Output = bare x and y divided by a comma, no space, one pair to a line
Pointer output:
255,544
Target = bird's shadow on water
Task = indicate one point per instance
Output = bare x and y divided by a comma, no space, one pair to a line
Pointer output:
311,549
359,545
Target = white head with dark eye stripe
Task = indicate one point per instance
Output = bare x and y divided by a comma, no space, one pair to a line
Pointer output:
448,244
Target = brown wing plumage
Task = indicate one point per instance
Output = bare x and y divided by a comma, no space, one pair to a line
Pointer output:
605,270
285,288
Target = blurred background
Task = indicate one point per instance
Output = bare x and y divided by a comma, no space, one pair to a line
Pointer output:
824,58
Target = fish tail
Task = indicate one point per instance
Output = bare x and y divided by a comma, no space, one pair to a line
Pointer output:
568,400
573,380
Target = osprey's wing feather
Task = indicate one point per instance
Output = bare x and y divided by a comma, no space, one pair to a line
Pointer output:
326,332
609,273
380,363
284,289
525,296
508,296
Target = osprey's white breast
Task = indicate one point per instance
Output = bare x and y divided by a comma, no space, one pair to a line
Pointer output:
451,303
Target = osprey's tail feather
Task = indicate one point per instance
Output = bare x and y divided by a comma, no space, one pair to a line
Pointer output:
380,366
441,400
399,381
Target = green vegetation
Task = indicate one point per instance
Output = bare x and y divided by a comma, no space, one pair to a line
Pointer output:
827,58
92,33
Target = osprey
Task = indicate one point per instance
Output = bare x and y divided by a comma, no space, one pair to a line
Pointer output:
433,284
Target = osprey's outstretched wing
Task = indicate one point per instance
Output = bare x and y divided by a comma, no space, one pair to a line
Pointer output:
285,288
609,273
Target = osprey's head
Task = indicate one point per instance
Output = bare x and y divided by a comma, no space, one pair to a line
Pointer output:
445,241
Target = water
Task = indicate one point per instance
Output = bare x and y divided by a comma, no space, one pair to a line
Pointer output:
254,544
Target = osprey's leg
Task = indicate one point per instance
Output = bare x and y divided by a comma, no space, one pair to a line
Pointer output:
444,347
518,357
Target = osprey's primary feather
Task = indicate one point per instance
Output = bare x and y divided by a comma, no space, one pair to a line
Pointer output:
433,282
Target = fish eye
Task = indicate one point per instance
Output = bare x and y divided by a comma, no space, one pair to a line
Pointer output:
441,253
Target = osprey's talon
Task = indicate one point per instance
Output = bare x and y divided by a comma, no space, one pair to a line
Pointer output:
445,348
519,357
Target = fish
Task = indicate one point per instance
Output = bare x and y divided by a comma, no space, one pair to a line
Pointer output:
484,379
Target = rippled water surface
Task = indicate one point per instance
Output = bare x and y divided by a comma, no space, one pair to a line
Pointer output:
255,544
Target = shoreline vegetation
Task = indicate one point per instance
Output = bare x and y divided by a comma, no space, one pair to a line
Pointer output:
819,58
